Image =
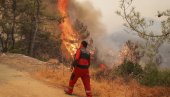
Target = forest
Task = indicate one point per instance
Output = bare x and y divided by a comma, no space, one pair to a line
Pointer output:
51,31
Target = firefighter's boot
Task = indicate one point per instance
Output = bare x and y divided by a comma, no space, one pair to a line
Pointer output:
68,90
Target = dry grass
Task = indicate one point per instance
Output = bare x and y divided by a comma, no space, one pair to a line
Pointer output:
103,88
59,77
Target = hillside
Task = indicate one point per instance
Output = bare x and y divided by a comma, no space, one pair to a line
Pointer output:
51,72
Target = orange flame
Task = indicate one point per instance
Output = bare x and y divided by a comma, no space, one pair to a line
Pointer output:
69,36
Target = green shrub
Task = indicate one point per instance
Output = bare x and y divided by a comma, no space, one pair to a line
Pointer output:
129,68
153,77
164,78
46,46
20,48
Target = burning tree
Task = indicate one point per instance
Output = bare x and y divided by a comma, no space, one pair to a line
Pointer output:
69,36
72,34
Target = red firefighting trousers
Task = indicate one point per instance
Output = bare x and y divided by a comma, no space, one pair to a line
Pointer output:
84,75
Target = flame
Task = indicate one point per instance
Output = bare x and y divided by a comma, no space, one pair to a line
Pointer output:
69,37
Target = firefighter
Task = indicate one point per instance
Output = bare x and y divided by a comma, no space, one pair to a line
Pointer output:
81,69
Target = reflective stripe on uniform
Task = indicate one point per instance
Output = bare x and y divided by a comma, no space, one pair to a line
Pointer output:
87,91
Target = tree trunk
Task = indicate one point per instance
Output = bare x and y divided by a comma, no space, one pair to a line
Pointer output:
13,23
6,43
37,6
1,40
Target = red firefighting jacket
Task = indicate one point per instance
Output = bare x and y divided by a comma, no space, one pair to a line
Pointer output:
83,58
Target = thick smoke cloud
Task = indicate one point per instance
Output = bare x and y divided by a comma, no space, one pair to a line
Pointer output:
108,44
91,17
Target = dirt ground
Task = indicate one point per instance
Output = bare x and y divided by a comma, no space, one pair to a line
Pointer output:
17,82
23,76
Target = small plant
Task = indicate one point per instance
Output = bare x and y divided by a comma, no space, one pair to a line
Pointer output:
154,77
129,68
164,78
150,75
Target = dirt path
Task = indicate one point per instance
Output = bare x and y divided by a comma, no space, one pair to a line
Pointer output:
14,83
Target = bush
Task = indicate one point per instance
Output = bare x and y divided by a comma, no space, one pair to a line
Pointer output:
153,77
150,75
164,78
46,46
129,68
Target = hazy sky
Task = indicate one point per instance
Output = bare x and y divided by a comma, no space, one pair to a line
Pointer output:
148,8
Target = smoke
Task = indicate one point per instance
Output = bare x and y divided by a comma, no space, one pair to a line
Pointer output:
87,14
91,17
108,45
